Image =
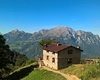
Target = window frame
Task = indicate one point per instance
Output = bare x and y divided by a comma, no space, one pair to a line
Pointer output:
70,51
53,52
53,60
47,51
47,58
69,60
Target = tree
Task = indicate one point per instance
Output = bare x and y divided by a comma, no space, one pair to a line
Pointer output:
10,60
46,41
4,55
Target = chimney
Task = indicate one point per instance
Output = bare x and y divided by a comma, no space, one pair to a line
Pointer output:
45,45
78,47
58,44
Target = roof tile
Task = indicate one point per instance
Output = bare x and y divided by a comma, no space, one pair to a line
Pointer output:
55,47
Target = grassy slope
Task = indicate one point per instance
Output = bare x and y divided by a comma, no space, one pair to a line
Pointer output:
27,66
38,74
85,72
30,73
22,72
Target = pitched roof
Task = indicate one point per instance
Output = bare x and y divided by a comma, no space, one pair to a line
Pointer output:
55,47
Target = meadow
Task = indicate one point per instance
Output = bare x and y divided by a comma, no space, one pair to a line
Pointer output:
39,74
32,72
84,71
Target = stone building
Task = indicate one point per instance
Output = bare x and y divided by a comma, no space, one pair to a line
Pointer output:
58,56
92,61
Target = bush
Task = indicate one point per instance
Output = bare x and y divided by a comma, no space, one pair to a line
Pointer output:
83,61
27,62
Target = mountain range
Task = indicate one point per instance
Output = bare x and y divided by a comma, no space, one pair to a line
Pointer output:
27,43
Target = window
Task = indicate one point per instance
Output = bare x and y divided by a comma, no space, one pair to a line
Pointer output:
70,51
47,50
53,52
69,60
53,59
47,57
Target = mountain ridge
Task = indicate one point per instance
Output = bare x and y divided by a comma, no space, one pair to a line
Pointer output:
23,42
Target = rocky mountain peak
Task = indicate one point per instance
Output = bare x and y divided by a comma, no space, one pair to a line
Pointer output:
62,28
16,31
60,31
43,31
89,42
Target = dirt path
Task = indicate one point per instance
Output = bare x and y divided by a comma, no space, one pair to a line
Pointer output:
67,76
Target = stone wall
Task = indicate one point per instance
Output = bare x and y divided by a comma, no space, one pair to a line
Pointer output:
62,59
49,62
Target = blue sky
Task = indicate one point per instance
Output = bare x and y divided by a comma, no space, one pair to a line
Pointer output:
34,15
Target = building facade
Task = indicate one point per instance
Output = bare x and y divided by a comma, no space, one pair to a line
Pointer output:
58,56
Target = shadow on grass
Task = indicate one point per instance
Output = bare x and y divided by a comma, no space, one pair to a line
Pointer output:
22,73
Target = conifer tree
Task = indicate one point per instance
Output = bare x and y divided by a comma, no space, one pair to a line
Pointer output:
4,53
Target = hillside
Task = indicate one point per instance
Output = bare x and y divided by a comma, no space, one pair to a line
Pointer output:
27,43
10,60
31,72
38,74
84,71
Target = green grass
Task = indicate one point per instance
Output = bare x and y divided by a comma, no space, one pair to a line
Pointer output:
31,72
97,78
18,70
21,72
38,74
84,72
